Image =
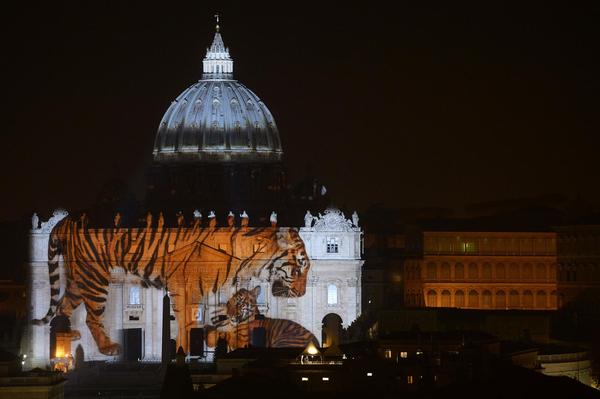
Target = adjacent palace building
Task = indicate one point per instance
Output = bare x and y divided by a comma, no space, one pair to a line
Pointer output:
483,271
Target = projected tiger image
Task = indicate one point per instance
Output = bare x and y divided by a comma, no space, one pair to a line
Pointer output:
183,259
244,326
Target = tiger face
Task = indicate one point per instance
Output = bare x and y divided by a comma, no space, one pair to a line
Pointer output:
289,271
242,305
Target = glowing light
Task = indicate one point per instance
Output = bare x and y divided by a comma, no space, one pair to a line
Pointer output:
304,378
312,349
369,374
325,378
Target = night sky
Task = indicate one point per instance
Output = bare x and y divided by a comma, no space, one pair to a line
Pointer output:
417,105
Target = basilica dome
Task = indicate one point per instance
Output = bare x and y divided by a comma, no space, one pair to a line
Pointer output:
217,119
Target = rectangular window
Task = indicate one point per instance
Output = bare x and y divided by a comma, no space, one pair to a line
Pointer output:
409,379
134,296
261,298
200,314
332,294
388,353
403,355
332,245
222,296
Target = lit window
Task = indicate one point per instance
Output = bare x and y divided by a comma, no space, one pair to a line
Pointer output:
261,298
134,296
409,379
325,378
200,314
222,296
332,294
388,353
369,374
468,247
304,378
332,245
403,355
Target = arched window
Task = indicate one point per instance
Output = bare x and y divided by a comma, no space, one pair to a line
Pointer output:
541,300
527,272
513,299
473,299
553,301
527,299
445,271
500,299
446,299
459,299
332,294
540,272
486,271
473,272
486,299
134,295
431,298
459,271
333,245
431,271
513,271
500,271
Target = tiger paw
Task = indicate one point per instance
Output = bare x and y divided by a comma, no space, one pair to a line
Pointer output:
111,349
75,335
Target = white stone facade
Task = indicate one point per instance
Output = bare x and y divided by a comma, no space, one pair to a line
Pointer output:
333,244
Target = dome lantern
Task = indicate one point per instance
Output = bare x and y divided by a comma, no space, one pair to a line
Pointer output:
217,63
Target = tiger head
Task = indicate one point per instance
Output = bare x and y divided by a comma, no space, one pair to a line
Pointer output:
290,269
242,305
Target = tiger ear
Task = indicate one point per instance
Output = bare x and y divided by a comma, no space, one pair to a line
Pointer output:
256,291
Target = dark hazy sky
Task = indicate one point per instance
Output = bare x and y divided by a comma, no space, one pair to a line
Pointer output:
416,105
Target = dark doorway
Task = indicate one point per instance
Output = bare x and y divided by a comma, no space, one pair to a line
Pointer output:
132,340
259,337
197,342
59,324
172,349
332,330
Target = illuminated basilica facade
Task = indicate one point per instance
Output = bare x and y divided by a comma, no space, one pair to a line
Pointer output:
217,137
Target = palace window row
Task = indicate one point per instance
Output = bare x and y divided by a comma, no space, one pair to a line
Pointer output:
486,299
482,271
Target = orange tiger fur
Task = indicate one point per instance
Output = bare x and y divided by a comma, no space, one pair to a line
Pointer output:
242,318
161,257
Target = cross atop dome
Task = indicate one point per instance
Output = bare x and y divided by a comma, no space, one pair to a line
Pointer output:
217,63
